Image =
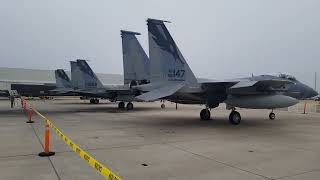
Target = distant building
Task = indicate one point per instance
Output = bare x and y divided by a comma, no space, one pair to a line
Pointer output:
35,82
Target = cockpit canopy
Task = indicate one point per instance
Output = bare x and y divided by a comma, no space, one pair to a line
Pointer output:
287,76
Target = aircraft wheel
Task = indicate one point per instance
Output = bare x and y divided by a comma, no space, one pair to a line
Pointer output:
163,106
235,118
205,114
272,116
96,101
91,101
129,106
121,105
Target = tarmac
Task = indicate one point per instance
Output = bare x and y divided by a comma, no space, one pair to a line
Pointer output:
154,143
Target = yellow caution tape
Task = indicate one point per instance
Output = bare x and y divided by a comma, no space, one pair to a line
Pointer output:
105,172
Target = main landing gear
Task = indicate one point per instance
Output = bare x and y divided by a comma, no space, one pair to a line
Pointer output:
272,116
94,101
234,117
205,114
130,106
122,105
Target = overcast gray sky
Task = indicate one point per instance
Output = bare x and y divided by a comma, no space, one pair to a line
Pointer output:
218,38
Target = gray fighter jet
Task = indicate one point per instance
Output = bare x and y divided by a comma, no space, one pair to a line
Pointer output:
63,84
136,72
172,79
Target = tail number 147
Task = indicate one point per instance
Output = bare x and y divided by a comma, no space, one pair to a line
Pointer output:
176,73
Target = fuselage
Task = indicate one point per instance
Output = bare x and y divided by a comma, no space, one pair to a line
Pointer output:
251,97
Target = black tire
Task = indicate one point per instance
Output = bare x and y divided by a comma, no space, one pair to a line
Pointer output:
235,118
91,101
163,106
96,101
129,106
272,116
121,105
205,114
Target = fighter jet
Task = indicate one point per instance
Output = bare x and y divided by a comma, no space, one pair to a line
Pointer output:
172,79
136,72
63,83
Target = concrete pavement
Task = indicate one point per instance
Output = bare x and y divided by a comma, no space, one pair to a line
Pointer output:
154,143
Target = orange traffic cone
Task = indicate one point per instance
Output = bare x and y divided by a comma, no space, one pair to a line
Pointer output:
46,143
30,116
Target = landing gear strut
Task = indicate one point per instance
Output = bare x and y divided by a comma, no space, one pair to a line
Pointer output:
162,104
205,114
234,117
272,116
129,106
121,105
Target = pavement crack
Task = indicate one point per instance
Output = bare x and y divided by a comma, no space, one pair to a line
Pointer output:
18,155
305,172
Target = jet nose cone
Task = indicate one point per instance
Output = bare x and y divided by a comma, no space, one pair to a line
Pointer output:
310,93
314,93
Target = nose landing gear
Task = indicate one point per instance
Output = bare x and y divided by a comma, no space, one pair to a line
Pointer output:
162,104
272,116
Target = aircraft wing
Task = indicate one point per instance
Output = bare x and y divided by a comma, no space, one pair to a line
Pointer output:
243,84
160,92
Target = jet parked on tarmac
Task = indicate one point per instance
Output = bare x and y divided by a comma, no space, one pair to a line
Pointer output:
63,83
136,72
172,79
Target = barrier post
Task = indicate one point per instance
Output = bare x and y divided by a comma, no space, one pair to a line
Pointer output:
46,143
30,116
24,104
305,107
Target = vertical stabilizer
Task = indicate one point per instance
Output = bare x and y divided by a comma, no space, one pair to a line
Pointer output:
166,61
75,75
135,60
62,79
87,76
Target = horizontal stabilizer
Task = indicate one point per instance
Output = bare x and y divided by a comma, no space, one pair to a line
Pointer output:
160,92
